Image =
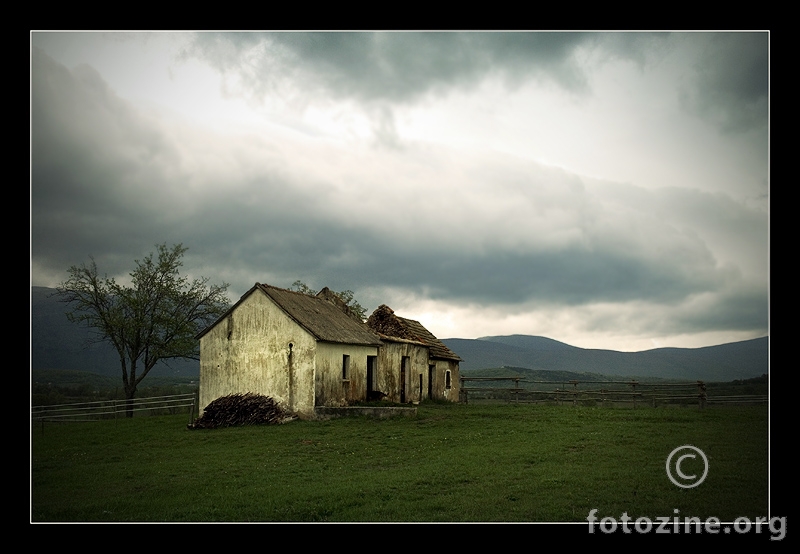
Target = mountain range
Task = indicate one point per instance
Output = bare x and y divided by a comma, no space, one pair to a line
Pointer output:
725,362
57,343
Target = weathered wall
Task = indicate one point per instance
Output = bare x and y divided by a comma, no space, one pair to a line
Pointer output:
388,378
249,352
439,386
331,388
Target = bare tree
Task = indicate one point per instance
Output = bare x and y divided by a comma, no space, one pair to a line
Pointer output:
155,318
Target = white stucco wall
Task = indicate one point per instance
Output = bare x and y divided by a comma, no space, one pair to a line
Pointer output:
249,351
440,389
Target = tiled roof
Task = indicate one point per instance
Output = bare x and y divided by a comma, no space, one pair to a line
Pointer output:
320,317
323,319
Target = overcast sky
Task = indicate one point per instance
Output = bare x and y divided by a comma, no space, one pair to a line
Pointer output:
608,190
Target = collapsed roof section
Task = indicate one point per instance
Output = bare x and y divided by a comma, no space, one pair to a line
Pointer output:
393,327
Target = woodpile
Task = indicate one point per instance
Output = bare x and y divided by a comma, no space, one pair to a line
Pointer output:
241,409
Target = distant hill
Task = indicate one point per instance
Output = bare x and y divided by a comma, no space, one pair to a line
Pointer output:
726,362
531,375
530,342
57,343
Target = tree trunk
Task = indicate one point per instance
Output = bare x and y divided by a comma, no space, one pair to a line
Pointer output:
129,394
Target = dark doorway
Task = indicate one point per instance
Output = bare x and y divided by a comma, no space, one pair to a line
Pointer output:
372,363
403,371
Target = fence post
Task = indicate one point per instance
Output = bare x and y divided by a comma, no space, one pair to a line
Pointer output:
702,386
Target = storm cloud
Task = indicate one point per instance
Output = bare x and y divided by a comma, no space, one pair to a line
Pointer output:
487,183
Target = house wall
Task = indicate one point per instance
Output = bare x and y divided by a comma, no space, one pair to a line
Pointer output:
249,351
439,385
389,370
331,388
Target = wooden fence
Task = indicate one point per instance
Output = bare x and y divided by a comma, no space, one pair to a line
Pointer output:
601,392
113,409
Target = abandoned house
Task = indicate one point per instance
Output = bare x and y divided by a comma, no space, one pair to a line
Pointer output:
308,351
416,365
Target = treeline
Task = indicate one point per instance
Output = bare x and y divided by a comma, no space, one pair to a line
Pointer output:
555,386
50,387
756,385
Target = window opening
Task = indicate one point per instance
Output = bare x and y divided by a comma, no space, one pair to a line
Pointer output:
345,367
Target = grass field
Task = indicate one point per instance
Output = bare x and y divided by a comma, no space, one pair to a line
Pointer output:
450,463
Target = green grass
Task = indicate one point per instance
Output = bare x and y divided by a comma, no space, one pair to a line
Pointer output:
449,463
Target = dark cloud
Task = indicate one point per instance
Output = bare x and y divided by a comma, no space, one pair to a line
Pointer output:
643,258
98,167
731,84
570,276
740,309
109,181
395,67
99,174
726,74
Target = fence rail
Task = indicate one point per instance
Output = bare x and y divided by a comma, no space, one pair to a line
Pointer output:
587,392
112,409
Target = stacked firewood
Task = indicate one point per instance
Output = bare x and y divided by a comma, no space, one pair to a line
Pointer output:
241,409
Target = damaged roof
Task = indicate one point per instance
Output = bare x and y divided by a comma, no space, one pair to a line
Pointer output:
390,326
320,317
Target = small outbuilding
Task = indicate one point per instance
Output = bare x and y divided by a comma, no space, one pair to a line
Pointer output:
312,351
